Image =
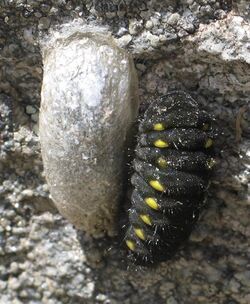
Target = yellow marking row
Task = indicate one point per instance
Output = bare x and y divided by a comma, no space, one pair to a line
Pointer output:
139,232
162,163
152,202
162,127
159,143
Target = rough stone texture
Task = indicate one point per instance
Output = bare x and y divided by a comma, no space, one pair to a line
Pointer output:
201,46
89,102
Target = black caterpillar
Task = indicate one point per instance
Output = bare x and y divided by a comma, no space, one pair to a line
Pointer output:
172,165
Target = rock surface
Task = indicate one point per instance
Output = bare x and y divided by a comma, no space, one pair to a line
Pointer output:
201,46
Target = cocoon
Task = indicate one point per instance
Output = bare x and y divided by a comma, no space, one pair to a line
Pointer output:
88,104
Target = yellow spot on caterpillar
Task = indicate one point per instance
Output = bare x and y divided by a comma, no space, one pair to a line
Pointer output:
130,244
157,185
140,233
205,127
208,143
159,127
210,163
146,219
152,203
162,162
161,143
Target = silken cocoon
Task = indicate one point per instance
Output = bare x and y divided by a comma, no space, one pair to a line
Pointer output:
89,102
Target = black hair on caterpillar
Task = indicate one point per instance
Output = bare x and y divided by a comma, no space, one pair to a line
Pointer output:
173,161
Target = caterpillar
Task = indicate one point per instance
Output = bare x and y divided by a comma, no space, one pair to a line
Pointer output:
172,165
